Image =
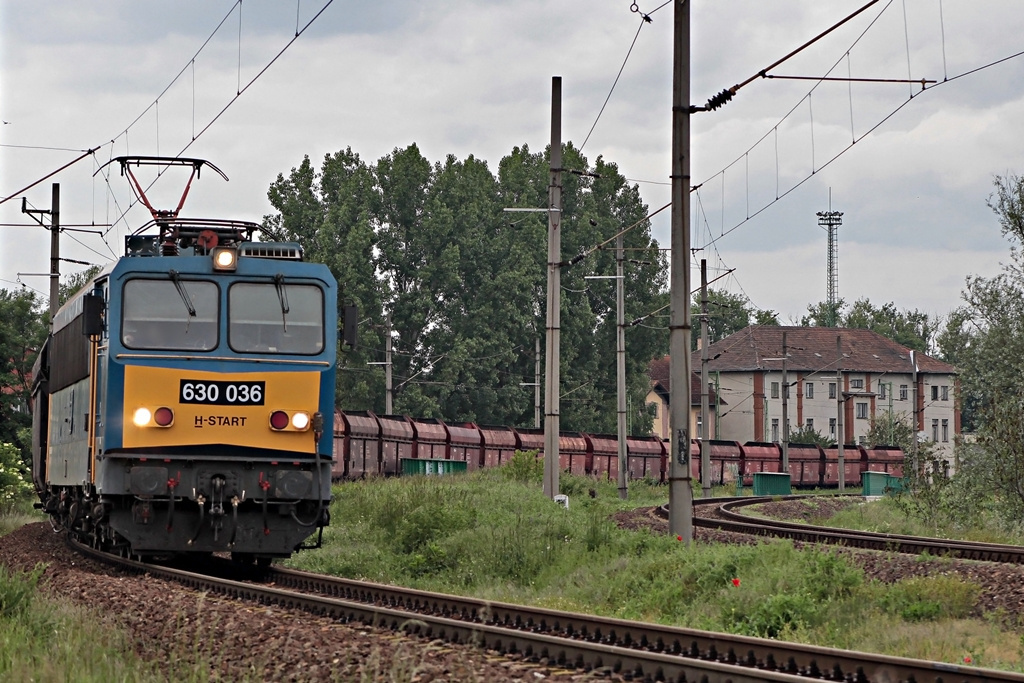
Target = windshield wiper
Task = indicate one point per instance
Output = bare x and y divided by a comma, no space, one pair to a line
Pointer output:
282,296
176,279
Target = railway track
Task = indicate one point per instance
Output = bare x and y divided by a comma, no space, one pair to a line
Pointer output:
727,518
635,650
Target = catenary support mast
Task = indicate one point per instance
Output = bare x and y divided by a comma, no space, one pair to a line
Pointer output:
680,491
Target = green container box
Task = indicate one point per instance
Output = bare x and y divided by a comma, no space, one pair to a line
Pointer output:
432,468
771,484
881,484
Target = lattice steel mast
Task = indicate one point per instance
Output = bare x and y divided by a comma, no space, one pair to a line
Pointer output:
830,221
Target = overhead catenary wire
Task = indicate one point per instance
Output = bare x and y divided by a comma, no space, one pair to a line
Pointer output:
929,85
644,19
189,64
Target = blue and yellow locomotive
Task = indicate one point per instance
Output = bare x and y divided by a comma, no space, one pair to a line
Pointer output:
181,399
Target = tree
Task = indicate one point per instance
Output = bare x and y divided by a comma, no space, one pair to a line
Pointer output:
331,215
912,329
955,343
985,338
465,285
21,336
992,468
810,435
76,281
1008,204
727,314
892,429
14,478
822,313
766,317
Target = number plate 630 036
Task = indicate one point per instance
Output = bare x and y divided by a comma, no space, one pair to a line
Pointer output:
218,393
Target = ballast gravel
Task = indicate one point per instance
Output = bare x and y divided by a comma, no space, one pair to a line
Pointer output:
175,627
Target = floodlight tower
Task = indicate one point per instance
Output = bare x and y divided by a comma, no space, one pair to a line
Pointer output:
830,221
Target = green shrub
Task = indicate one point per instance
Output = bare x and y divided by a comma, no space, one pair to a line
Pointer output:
829,576
927,598
17,591
775,615
14,479
524,467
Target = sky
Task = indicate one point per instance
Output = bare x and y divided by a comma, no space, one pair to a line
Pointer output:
910,169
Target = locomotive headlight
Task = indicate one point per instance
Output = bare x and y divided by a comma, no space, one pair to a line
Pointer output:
300,421
160,417
224,258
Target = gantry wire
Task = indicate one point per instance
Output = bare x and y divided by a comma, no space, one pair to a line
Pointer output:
125,133
644,19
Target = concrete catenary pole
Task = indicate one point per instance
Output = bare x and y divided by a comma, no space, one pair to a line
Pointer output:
680,491
705,447
389,397
536,383
54,252
620,361
785,408
552,379
840,431
918,423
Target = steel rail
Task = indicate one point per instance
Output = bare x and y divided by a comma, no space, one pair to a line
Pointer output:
870,540
573,653
635,649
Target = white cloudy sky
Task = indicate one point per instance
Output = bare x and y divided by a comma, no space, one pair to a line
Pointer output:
461,77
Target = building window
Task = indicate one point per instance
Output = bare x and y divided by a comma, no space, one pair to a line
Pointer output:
862,440
775,429
832,427
862,411
808,389
903,392
856,384
935,393
810,424
775,389
945,431
881,390
700,426
654,409
785,390
945,393
831,389
935,430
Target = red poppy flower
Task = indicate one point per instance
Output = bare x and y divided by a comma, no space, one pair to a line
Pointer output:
736,582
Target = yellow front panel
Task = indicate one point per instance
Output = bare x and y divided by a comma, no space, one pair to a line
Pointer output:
236,424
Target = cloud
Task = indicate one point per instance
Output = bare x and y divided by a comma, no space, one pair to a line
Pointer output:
474,78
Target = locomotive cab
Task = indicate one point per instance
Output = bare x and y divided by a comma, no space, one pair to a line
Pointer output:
186,391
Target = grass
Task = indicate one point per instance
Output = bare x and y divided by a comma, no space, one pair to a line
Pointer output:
18,514
492,534
884,515
47,639
44,638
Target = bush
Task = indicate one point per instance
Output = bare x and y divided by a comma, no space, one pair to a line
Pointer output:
776,615
17,591
524,467
14,479
928,598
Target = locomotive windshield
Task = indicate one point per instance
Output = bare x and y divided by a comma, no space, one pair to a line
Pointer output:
173,315
276,318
